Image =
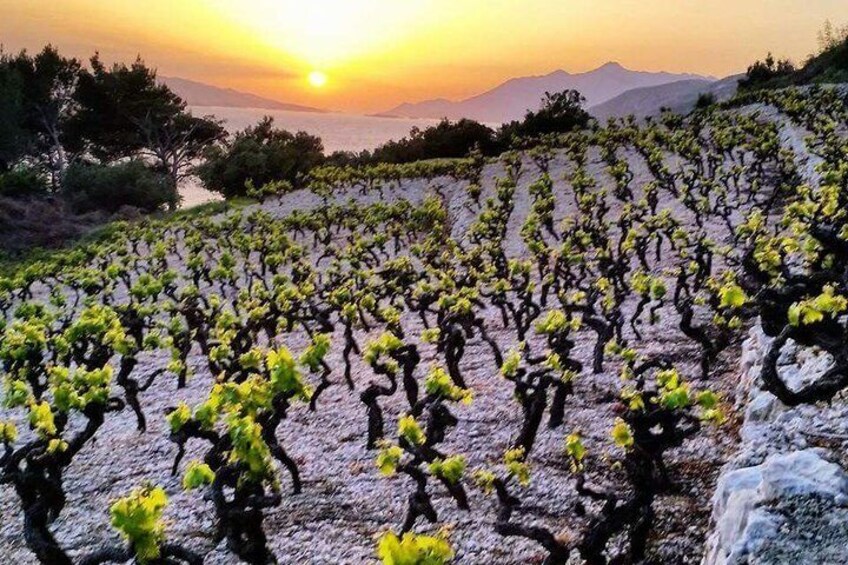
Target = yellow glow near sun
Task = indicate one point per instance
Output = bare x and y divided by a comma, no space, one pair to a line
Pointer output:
326,33
317,79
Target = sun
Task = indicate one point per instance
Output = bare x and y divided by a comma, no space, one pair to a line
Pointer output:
317,79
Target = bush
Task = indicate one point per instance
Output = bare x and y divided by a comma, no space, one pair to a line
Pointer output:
829,65
15,139
560,113
22,182
443,141
768,73
343,159
111,187
705,100
260,155
273,188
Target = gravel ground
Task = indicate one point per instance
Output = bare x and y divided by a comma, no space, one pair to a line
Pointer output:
345,502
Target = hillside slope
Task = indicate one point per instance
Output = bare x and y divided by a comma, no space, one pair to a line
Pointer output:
680,97
600,208
830,66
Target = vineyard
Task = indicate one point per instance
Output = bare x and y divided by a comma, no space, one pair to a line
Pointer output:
525,359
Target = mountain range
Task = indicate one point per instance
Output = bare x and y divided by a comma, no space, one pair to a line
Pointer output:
512,99
199,94
680,97
610,91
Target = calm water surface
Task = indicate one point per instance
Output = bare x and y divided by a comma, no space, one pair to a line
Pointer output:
340,132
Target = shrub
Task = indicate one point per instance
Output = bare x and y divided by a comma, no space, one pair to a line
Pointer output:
705,100
111,187
561,112
22,182
768,73
260,154
829,65
445,140
14,137
273,188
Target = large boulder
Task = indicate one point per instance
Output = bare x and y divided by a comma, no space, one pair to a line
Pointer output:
748,509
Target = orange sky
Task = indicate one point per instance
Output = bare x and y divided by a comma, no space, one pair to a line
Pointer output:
378,53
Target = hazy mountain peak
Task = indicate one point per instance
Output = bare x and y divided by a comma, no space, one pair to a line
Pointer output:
512,99
200,94
610,66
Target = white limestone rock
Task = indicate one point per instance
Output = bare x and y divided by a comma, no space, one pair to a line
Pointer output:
746,523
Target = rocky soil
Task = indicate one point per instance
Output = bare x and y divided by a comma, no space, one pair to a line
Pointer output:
784,497
784,481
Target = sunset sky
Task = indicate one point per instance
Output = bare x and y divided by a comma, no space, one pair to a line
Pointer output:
375,54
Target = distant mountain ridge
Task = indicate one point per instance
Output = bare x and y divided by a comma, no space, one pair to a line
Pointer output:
200,94
680,97
513,98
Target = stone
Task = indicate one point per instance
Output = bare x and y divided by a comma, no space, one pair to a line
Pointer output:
802,473
763,408
745,522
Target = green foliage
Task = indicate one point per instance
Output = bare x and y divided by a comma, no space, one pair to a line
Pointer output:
674,393
451,468
138,517
814,310
97,187
830,66
22,182
622,434
560,112
23,339
249,448
554,322
56,112
313,356
380,350
732,296
8,432
257,156
439,383
411,431
36,93
768,72
14,136
576,451
285,376
511,363
267,190
485,480
388,459
197,475
413,549
112,102
516,465
16,393
75,389
705,100
179,417
42,420
443,141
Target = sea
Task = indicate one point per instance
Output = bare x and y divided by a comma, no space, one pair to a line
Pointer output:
339,132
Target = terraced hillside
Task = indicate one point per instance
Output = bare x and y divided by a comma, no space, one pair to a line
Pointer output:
520,360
